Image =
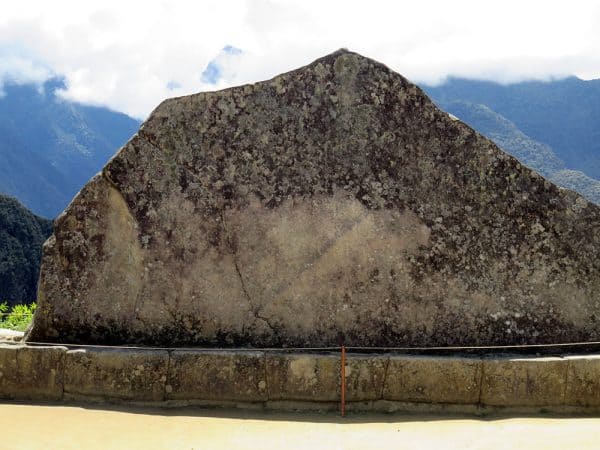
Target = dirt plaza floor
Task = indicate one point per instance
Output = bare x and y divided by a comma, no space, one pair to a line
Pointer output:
40,426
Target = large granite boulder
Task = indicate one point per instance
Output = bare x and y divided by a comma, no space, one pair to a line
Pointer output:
334,203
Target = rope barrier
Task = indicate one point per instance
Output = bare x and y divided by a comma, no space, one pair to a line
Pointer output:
332,349
16,314
479,347
214,349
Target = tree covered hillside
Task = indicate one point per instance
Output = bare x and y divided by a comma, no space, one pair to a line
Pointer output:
21,237
563,114
534,154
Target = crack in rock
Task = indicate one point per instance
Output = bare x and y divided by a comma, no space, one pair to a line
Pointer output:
255,310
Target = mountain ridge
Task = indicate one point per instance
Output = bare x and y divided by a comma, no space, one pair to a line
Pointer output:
563,114
536,155
49,147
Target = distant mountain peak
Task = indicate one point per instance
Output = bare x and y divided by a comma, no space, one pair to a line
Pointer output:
50,146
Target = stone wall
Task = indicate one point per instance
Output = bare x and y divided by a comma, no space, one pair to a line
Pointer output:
284,380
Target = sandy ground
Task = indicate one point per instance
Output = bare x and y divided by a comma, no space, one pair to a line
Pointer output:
75,427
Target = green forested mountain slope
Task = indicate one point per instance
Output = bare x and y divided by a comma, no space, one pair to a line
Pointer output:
540,157
563,114
22,234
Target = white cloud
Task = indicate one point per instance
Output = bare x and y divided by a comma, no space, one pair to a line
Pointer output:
130,55
20,69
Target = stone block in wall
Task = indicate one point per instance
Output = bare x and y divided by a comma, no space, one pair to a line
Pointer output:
433,379
514,381
365,376
31,373
309,377
126,374
583,381
217,375
8,370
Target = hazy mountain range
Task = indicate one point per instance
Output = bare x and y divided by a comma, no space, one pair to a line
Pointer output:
49,148
552,127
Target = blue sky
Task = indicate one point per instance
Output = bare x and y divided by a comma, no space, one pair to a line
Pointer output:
130,55
214,70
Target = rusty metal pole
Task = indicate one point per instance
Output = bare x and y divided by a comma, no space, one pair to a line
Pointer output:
343,383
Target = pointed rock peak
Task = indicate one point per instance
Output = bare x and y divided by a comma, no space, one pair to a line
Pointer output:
331,203
340,52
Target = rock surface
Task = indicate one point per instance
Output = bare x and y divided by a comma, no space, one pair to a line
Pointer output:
332,203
